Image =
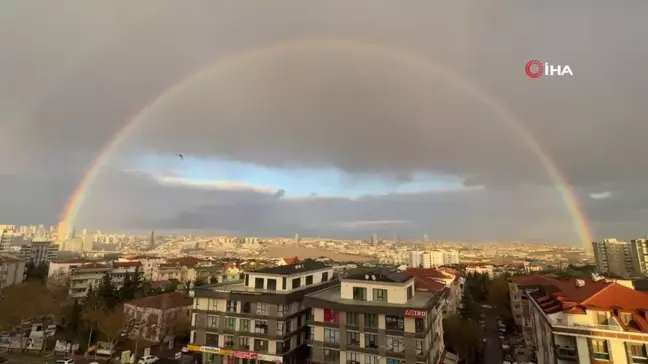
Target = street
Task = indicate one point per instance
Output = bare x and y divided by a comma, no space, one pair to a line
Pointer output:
493,353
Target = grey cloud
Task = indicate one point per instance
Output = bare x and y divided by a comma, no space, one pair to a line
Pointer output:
74,73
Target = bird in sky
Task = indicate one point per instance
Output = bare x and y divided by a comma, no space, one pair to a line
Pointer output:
181,156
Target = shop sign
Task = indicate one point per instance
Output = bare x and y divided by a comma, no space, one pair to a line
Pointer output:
415,313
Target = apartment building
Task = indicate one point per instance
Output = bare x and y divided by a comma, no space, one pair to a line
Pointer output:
86,275
639,255
39,251
614,257
375,318
258,319
433,258
444,281
6,237
12,270
579,321
159,318
519,288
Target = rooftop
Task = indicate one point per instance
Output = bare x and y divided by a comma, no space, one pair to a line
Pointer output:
290,269
379,276
333,294
163,301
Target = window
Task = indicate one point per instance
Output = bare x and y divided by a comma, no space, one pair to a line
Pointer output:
288,327
296,283
311,333
625,317
260,346
211,340
380,295
395,344
600,349
245,307
229,341
282,310
395,361
419,347
244,343
258,283
261,326
309,280
230,323
212,322
394,323
262,309
279,347
212,305
331,336
353,338
244,325
359,293
371,320
419,325
410,292
331,356
272,284
231,306
371,341
352,358
638,352
331,316
325,277
299,320
280,328
286,346
601,318
283,283
371,359
352,319
247,280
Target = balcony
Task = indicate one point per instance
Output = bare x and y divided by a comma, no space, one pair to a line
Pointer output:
583,326
601,356
566,353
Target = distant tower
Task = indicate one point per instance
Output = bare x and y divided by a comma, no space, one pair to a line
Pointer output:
73,233
297,238
374,240
426,238
152,240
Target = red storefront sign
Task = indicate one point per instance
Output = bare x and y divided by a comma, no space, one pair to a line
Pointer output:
415,313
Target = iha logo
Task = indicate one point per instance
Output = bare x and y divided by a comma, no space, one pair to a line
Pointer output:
535,69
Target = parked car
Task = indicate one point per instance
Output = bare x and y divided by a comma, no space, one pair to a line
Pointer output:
148,359
65,361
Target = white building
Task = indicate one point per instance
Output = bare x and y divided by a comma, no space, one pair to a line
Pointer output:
416,259
433,258
6,237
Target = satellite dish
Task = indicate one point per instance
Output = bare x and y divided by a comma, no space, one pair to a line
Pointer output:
366,276
373,277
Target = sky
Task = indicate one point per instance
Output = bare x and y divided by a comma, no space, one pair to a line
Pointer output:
337,119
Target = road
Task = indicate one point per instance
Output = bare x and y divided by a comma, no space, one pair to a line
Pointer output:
493,353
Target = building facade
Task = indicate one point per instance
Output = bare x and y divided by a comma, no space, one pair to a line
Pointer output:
159,318
579,321
375,318
39,252
12,270
258,319
614,257
6,237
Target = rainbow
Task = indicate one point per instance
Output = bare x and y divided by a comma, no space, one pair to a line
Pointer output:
76,200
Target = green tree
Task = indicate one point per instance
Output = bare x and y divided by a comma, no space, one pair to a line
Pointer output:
469,309
108,292
464,336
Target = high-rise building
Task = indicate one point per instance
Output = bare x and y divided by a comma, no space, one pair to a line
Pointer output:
260,318
614,257
151,244
639,255
39,252
433,258
12,270
416,259
375,317
374,240
6,236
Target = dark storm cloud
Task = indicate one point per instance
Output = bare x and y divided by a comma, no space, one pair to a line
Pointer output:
74,72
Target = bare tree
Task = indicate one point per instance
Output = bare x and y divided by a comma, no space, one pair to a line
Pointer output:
110,323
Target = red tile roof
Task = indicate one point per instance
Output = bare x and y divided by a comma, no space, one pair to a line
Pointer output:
186,261
291,260
428,273
532,280
568,296
126,264
427,285
164,301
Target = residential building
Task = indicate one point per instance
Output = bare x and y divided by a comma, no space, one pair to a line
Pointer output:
585,321
450,285
6,237
450,257
375,318
416,259
12,270
519,287
288,260
433,258
159,318
260,318
39,251
86,275
639,256
614,257
487,269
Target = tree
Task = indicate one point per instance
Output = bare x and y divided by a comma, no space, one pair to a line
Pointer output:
36,272
110,323
199,281
132,287
464,336
108,292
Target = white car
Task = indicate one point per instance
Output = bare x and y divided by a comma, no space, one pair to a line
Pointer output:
65,361
148,359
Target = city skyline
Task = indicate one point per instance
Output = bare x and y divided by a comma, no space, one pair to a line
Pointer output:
345,130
